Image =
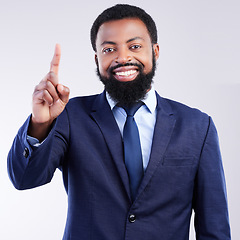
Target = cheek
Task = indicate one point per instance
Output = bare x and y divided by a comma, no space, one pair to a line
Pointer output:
103,65
146,60
103,69
148,66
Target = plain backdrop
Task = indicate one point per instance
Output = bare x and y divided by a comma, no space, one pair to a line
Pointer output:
199,65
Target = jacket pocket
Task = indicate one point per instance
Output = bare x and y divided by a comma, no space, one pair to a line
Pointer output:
179,161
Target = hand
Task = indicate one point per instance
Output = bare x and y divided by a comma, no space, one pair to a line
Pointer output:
49,100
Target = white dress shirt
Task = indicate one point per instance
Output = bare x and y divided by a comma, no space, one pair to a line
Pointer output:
145,119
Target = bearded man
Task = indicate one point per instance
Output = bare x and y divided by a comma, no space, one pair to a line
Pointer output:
134,164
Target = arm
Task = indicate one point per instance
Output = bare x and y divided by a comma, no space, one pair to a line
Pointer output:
210,200
49,100
29,167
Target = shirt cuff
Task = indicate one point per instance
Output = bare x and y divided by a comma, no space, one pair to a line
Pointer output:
34,142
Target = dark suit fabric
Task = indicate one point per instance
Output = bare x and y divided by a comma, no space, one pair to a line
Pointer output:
184,173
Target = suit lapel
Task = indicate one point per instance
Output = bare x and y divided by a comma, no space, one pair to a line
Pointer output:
102,114
162,134
164,126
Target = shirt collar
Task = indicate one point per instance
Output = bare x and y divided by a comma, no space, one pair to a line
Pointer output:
150,100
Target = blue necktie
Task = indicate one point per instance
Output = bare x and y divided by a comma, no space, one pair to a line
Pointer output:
132,149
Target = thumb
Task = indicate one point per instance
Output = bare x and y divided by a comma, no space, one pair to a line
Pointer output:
63,93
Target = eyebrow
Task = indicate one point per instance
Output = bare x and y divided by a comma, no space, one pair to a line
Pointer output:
113,43
108,42
135,38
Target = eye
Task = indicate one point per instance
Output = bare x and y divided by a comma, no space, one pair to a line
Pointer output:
108,50
135,47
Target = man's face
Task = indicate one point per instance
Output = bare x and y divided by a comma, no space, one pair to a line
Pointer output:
124,56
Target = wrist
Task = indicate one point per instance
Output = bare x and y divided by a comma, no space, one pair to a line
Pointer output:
39,130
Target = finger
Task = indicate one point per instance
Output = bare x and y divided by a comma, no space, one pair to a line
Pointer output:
52,77
43,96
56,60
49,87
63,93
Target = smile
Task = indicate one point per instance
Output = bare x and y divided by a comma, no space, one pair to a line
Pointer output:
125,74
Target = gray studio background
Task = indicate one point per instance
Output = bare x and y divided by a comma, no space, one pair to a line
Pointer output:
199,65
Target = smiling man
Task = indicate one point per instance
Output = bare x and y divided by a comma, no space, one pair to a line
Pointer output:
126,58
134,165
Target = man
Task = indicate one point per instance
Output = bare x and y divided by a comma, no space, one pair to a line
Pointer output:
111,196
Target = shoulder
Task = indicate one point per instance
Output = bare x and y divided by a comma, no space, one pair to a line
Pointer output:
178,108
183,109
184,115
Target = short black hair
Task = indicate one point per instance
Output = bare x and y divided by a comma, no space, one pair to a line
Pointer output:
122,11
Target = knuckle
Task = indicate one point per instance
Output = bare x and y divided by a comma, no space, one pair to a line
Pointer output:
45,93
47,85
67,90
51,75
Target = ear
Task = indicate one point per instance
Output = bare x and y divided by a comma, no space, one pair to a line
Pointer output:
156,50
96,59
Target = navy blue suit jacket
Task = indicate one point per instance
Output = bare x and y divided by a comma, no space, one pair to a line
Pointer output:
184,173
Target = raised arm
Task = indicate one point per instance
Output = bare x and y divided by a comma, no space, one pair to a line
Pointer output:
29,166
48,101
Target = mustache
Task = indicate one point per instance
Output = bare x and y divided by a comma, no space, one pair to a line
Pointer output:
140,66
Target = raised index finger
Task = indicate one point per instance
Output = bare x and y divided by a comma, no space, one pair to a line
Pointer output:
56,59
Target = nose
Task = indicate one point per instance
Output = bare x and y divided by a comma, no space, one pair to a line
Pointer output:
123,56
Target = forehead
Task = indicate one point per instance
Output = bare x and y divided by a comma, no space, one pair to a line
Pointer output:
122,30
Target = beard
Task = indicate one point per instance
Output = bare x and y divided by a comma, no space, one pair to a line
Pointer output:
128,93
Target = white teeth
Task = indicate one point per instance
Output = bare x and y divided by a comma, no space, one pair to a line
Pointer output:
127,73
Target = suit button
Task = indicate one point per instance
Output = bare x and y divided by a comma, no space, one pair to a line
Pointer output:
132,218
26,152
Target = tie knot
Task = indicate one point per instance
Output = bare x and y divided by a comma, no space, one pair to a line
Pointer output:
132,109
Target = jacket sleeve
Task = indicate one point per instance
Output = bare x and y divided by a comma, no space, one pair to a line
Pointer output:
210,199
29,167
